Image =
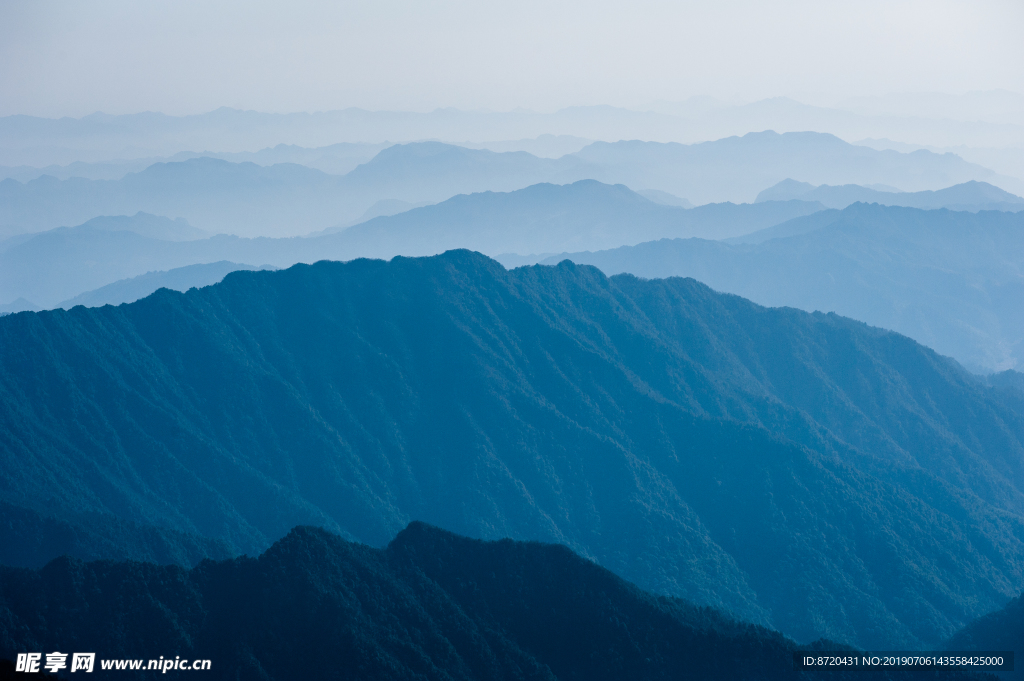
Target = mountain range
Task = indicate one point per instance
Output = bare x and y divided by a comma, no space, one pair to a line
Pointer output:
284,199
543,218
39,141
431,605
738,168
970,196
950,280
803,471
52,267
288,199
334,159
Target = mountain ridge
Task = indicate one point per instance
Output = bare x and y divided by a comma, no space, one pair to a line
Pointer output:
289,199
951,280
971,196
795,469
54,266
431,605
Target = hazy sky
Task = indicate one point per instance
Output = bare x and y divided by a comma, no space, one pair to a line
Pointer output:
73,58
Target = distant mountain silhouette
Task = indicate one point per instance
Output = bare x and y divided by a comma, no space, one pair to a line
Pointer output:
19,305
544,146
737,168
41,141
665,198
794,227
178,279
59,264
971,196
36,141
804,471
547,218
280,200
54,266
432,605
382,208
288,199
950,280
335,159
152,226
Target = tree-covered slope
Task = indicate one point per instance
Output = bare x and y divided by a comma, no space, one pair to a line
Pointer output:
432,605
804,471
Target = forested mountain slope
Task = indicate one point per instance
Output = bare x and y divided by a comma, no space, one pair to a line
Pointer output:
432,605
802,470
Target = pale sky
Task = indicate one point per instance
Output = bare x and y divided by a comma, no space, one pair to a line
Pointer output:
180,57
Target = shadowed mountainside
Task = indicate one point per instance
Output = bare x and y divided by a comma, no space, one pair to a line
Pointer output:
1002,629
432,605
801,470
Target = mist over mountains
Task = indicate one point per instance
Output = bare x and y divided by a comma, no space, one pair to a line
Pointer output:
334,159
279,200
970,196
543,217
288,199
795,469
57,265
39,142
804,467
741,167
53,267
552,341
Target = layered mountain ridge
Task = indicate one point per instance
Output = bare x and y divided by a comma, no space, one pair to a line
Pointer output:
803,471
57,265
289,199
432,605
949,279
970,196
